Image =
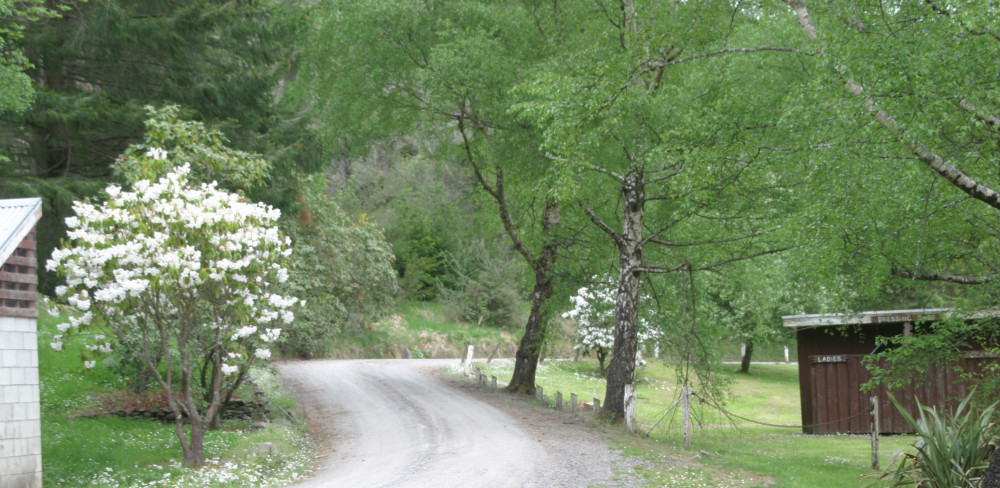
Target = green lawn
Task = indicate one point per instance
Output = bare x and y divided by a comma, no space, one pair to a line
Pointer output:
734,452
117,452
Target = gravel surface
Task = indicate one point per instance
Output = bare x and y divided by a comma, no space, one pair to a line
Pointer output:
402,423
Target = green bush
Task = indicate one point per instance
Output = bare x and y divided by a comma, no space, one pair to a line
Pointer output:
343,271
422,260
485,288
952,452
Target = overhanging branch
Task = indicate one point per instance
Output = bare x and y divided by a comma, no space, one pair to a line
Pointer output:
964,280
664,62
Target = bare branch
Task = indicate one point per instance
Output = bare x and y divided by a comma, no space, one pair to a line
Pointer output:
589,167
965,280
741,258
802,13
936,163
976,32
498,194
709,241
600,223
992,121
662,63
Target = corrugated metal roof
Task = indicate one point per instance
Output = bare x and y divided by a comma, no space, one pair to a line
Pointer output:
877,317
17,217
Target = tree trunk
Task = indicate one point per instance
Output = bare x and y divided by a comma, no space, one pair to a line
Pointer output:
194,449
526,359
992,478
621,370
745,364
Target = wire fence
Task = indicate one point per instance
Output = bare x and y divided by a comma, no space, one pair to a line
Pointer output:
575,405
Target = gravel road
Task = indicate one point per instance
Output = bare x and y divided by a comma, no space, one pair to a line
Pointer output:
395,423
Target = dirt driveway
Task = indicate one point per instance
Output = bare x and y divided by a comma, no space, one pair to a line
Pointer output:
395,423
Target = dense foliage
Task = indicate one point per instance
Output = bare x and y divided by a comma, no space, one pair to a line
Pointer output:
342,269
184,274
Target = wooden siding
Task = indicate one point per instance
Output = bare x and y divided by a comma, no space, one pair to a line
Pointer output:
838,406
19,281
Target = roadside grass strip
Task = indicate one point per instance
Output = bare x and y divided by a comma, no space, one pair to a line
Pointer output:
725,451
111,451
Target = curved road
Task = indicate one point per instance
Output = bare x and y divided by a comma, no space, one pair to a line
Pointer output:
391,424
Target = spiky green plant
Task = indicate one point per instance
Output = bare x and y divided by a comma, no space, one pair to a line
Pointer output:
952,451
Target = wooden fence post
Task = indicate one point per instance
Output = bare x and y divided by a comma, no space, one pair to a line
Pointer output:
558,400
572,402
494,382
874,429
597,405
539,394
630,399
686,403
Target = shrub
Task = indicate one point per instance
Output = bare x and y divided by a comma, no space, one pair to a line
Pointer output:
485,288
952,452
342,269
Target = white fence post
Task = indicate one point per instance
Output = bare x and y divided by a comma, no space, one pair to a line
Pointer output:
630,399
597,405
467,360
572,402
539,394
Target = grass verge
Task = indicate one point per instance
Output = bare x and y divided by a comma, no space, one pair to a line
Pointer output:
422,330
107,451
728,452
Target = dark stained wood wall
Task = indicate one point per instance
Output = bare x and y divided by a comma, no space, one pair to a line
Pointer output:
19,281
831,373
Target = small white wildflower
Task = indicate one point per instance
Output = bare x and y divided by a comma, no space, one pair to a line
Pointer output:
156,153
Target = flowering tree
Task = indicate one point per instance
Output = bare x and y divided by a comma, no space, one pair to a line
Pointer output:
593,310
186,270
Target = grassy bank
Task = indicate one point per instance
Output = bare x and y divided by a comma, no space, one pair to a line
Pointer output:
110,451
427,330
730,451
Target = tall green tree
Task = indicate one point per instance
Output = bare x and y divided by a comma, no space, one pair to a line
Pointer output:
910,105
447,68
664,147
96,67
18,91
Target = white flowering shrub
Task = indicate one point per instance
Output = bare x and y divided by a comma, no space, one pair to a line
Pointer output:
188,273
594,312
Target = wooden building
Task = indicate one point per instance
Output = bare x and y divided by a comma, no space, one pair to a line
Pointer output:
20,419
831,348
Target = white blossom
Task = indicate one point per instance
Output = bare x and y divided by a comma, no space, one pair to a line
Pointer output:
146,252
156,153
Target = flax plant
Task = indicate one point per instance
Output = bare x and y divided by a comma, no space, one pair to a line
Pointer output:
951,452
